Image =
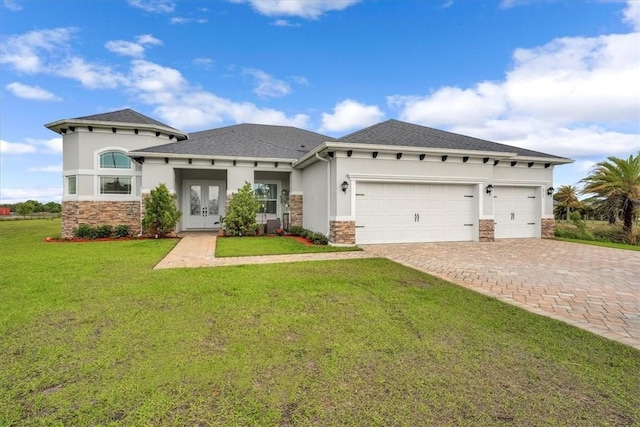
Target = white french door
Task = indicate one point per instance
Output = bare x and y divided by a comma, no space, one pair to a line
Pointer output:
202,204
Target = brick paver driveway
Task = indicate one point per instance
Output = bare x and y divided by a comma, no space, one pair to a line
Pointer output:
594,288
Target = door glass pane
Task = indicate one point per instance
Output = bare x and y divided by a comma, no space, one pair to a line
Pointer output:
214,192
195,204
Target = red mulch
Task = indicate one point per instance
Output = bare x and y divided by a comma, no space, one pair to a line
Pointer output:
106,239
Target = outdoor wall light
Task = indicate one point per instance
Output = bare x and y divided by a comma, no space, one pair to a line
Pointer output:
550,191
344,186
489,188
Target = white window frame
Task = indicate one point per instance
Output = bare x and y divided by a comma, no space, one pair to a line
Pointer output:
119,177
73,178
278,185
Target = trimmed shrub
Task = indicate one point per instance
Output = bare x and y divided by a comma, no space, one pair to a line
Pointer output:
122,230
241,213
103,231
318,238
296,230
161,213
84,231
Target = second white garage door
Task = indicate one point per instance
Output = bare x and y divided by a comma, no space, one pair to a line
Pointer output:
403,213
515,212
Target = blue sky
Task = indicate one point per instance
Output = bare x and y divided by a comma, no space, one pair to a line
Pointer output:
561,77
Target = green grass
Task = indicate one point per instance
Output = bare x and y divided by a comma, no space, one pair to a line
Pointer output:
270,245
90,335
604,244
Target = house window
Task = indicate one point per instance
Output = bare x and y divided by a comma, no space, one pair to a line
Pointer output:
114,160
267,196
71,184
115,185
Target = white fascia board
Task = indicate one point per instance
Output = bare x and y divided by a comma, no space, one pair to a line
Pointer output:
208,157
57,125
310,156
552,160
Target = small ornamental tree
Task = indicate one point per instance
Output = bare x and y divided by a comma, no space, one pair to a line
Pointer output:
243,207
161,213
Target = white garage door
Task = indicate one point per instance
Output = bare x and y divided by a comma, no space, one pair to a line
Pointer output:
403,213
515,212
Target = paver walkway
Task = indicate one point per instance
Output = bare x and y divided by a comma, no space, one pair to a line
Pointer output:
198,250
591,287
594,288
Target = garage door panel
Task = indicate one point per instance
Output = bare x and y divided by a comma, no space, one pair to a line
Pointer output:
443,213
515,212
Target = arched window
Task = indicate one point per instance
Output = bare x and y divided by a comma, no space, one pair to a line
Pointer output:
114,160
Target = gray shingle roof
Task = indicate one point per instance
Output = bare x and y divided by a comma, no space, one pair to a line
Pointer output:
395,132
126,116
246,140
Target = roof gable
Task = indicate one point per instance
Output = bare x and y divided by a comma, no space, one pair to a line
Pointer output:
124,116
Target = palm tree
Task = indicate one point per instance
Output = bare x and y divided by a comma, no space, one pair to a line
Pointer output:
566,199
617,182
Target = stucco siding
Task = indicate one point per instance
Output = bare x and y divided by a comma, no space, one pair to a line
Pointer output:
315,209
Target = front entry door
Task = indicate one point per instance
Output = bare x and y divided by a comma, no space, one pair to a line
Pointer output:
202,208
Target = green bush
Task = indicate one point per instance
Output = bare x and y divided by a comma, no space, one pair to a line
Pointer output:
296,230
103,231
84,231
576,219
122,230
318,238
597,232
161,213
243,207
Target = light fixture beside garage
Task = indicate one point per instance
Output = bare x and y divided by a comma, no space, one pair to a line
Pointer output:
550,191
344,186
489,188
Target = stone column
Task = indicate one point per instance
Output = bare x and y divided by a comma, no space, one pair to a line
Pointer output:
548,226
487,230
342,232
295,210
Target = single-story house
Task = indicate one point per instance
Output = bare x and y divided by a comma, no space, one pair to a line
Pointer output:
392,182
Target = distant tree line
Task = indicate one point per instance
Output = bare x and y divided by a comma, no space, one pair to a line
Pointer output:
31,207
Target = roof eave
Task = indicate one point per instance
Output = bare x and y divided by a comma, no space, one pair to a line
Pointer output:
207,157
59,124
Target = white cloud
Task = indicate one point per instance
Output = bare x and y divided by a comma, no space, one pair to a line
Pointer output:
92,76
309,9
47,169
350,114
133,49
7,148
574,96
41,194
12,5
155,6
31,92
203,62
285,23
632,14
26,52
266,85
302,81
125,48
178,20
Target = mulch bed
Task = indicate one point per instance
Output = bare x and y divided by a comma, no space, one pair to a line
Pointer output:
106,239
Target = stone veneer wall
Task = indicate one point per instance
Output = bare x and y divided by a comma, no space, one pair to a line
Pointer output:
487,230
295,210
342,232
99,213
548,228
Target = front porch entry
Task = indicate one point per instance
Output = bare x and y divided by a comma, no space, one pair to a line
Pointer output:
203,204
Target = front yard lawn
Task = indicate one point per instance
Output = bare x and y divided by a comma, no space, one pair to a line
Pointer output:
91,335
270,245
